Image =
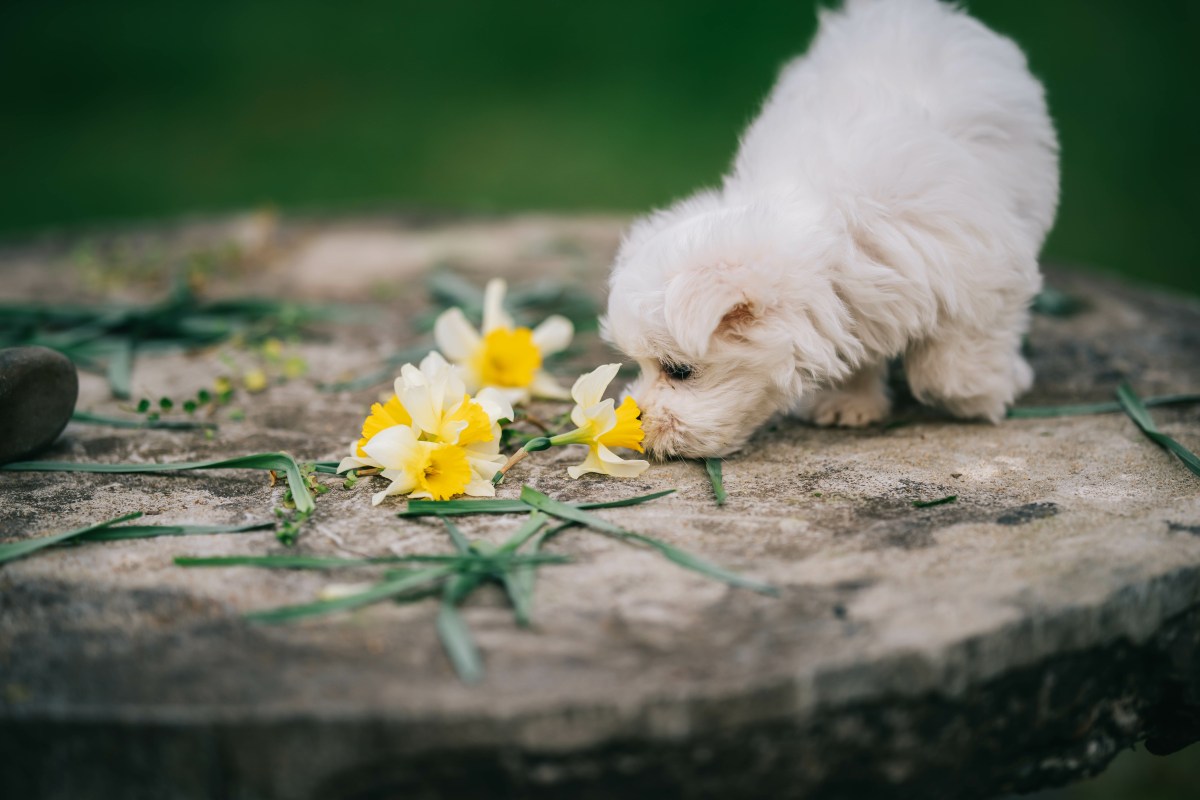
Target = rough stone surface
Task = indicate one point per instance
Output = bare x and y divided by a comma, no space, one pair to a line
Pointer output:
1017,638
38,389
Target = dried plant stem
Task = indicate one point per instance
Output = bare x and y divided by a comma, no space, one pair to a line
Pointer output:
512,462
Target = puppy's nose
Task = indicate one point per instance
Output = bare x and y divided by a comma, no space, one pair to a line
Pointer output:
659,429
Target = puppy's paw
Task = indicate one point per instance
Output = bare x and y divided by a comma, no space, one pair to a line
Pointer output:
847,409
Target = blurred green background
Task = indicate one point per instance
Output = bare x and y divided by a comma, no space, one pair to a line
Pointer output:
132,109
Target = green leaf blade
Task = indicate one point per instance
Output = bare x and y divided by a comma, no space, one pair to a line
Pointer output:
10,551
496,505
1136,409
713,467
1085,409
382,591
452,630
684,559
263,461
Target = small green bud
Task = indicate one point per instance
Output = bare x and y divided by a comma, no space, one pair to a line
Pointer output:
536,445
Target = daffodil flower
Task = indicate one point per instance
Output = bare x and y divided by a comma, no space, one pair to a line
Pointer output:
600,425
431,438
503,356
418,468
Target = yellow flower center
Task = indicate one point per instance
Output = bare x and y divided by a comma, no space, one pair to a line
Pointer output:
479,425
382,416
507,357
628,430
442,470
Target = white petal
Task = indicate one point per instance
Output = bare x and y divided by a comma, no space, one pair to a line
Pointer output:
391,447
409,376
454,335
494,404
494,315
489,449
589,389
393,489
485,468
418,400
434,363
601,418
451,430
590,464
480,488
554,334
354,462
402,482
544,385
513,395
620,467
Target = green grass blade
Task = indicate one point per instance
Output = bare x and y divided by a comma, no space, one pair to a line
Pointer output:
1056,303
697,564
1083,409
150,531
461,543
472,562
1141,417
88,418
518,585
381,591
266,461
672,553
447,508
530,527
496,505
279,562
453,631
448,289
10,551
518,579
120,370
941,501
713,467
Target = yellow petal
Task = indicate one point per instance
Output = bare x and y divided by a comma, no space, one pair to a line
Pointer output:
446,472
628,430
479,426
507,358
382,416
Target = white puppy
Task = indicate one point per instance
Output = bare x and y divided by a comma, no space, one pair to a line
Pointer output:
890,199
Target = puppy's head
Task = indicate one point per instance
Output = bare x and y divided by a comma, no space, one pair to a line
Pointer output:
717,307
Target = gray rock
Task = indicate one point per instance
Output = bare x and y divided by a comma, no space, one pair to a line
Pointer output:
38,390
1017,638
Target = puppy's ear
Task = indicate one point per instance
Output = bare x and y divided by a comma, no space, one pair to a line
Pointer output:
703,304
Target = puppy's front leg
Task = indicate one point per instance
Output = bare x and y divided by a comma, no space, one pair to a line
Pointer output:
972,373
861,400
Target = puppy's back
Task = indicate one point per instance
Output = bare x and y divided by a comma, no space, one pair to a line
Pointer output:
889,82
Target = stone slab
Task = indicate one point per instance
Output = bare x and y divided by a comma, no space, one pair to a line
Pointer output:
1017,638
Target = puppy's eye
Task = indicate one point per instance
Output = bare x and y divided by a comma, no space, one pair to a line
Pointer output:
678,372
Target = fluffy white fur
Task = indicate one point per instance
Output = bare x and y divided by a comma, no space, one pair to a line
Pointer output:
890,200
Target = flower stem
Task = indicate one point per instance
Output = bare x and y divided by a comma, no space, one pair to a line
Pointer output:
532,446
